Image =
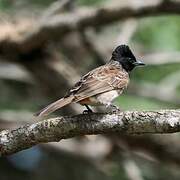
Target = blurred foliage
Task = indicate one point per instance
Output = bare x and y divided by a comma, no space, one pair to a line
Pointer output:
154,34
8,5
90,2
159,33
131,102
154,73
4,4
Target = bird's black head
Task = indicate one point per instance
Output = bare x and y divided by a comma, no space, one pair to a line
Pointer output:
126,58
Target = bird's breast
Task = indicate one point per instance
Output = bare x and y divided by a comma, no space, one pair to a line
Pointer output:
101,99
108,97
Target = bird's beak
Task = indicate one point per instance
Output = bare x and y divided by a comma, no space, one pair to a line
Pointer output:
138,63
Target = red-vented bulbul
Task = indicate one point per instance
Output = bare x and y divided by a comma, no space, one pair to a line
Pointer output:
101,85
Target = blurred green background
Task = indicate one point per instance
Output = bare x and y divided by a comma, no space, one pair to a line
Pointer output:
152,35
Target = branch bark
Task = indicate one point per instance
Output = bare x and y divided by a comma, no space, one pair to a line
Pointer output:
55,129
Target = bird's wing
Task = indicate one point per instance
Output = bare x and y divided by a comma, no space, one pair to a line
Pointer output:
102,79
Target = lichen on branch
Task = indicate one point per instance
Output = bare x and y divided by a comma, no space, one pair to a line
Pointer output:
55,129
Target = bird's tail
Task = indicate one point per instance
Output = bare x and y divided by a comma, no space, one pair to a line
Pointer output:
54,106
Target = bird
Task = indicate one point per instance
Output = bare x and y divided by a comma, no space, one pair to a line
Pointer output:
101,85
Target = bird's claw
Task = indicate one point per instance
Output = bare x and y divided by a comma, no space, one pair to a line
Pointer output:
114,109
87,111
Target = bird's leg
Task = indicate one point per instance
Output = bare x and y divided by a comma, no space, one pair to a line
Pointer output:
89,110
113,108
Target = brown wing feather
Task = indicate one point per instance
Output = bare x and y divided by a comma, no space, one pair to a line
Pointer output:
54,106
102,79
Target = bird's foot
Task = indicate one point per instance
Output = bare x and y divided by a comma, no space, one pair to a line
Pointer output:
88,111
114,108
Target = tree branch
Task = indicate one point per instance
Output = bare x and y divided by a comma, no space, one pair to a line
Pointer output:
57,7
55,129
59,25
